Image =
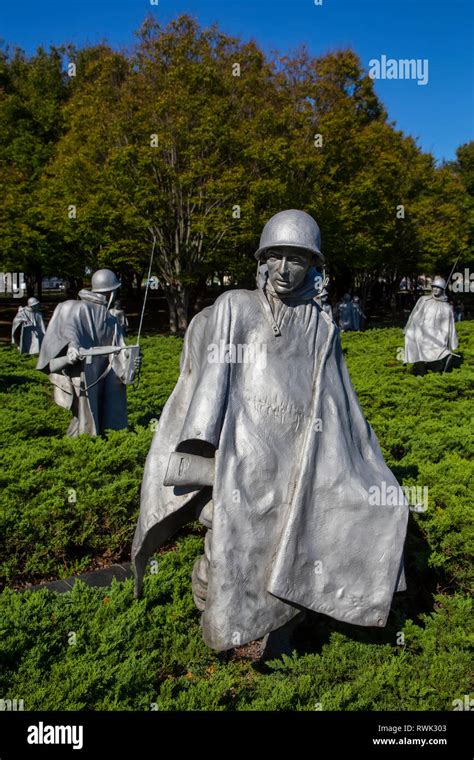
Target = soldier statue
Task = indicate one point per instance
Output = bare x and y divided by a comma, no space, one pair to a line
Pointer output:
118,312
345,313
323,300
458,309
358,315
28,328
430,334
263,439
85,356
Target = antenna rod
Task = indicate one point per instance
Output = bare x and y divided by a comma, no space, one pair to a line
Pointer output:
452,270
146,290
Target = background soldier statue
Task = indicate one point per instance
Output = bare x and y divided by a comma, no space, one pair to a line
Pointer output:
345,313
119,314
458,309
323,301
275,456
430,334
357,314
28,328
82,354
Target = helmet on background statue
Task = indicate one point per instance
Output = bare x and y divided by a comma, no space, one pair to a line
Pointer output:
104,281
33,303
439,282
295,229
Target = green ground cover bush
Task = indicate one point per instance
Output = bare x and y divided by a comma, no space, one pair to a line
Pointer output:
148,654
47,533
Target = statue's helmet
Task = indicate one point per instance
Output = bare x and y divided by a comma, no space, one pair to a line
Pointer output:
104,281
33,303
292,228
439,282
323,294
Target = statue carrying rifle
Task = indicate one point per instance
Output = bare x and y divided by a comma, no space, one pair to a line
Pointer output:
87,360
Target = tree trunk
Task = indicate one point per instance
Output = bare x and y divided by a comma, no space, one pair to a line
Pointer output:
73,286
197,295
172,309
138,280
30,280
182,309
39,284
126,278
178,301
343,282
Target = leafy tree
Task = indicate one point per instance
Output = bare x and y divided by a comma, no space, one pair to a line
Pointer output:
32,93
187,146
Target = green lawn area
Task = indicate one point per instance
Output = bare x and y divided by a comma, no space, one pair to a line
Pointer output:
148,654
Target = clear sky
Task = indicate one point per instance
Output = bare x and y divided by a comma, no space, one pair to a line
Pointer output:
440,114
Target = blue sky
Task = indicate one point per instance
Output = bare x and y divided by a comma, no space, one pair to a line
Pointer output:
440,114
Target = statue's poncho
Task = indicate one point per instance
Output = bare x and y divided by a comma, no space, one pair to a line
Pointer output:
28,330
430,334
292,525
92,389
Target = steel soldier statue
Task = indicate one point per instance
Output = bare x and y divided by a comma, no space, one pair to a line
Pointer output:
275,457
323,300
345,313
358,315
430,334
28,328
85,356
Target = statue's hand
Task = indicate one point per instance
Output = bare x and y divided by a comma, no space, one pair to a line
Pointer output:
73,355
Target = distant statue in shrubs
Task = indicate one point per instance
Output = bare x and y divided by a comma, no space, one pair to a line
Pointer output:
28,328
349,314
263,439
430,334
458,309
85,355
120,316
345,313
323,300
358,315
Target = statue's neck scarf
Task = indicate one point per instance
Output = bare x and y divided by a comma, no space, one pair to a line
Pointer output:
88,295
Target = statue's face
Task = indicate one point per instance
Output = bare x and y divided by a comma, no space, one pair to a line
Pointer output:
286,268
437,292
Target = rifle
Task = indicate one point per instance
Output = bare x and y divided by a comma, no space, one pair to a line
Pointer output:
131,352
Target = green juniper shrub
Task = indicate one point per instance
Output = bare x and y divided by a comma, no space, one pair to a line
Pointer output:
100,649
